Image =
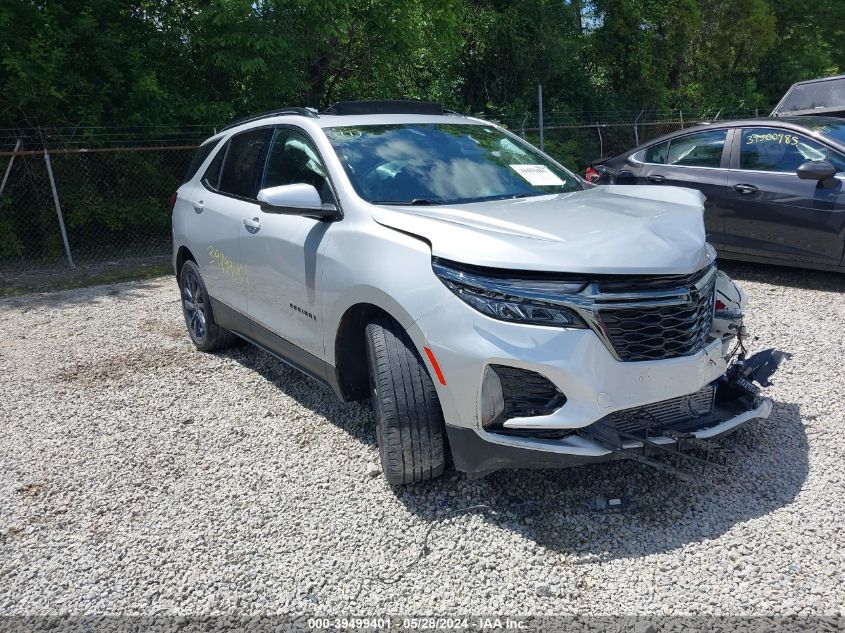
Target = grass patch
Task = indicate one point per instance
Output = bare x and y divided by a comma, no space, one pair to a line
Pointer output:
82,278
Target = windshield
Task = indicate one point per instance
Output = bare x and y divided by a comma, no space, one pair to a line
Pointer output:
421,163
834,129
828,93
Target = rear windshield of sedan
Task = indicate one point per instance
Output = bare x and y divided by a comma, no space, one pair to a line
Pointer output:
435,163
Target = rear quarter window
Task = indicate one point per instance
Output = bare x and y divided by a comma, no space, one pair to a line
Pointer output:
201,154
657,153
211,178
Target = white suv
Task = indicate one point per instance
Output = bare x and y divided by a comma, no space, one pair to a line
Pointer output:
493,306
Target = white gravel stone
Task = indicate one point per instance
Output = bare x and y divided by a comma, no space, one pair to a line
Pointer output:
139,476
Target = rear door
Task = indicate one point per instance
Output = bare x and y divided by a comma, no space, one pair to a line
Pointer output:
699,161
230,185
772,212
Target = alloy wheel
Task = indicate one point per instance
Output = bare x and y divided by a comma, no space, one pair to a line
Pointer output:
194,305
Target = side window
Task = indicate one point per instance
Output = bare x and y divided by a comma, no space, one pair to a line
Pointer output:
702,149
199,158
243,163
657,153
837,160
293,160
768,149
211,177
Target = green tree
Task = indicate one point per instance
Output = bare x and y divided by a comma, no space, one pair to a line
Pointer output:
808,44
640,49
725,52
81,62
510,47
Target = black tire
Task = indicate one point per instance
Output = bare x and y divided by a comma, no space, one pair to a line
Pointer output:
409,421
196,308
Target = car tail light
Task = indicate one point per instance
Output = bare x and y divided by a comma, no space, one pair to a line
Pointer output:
591,175
171,203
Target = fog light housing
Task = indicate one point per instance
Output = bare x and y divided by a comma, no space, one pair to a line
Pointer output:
492,402
513,392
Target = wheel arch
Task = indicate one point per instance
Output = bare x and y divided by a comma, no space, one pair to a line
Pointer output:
183,255
350,350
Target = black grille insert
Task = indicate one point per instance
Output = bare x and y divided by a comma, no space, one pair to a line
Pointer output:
645,332
527,393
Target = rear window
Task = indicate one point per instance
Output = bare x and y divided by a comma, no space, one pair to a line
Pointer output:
244,161
702,149
199,158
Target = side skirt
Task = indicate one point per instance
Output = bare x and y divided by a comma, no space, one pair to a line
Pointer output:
278,347
775,261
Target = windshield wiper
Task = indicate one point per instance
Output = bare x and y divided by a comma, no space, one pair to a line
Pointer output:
415,201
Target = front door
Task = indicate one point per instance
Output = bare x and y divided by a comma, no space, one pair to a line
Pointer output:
281,252
694,161
772,212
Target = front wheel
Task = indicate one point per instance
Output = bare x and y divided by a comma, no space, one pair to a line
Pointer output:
196,307
409,421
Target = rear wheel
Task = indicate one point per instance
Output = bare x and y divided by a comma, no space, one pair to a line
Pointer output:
196,307
409,420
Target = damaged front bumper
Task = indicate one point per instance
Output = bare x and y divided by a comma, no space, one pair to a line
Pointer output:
634,434
480,452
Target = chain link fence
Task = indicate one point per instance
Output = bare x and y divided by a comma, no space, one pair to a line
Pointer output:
577,140
81,196
94,196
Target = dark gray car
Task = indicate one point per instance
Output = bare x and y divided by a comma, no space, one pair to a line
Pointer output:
774,186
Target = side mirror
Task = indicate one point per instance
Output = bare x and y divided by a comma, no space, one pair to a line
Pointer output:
820,170
299,199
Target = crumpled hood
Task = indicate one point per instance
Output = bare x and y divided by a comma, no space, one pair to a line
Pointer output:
608,229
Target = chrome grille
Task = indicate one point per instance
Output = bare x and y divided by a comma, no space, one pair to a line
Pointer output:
664,414
660,323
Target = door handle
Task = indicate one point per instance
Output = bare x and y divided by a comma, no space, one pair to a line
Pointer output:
745,189
198,207
656,178
253,225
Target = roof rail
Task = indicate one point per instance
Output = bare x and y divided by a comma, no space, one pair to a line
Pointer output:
309,112
397,106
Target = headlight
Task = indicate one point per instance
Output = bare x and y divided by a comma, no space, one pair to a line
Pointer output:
516,300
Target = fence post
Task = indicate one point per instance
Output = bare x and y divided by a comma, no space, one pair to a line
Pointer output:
540,112
636,131
58,209
522,127
681,114
9,167
601,141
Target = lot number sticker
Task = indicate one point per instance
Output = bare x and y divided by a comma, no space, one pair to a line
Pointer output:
537,175
781,138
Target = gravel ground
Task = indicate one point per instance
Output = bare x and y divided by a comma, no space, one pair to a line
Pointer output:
139,476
